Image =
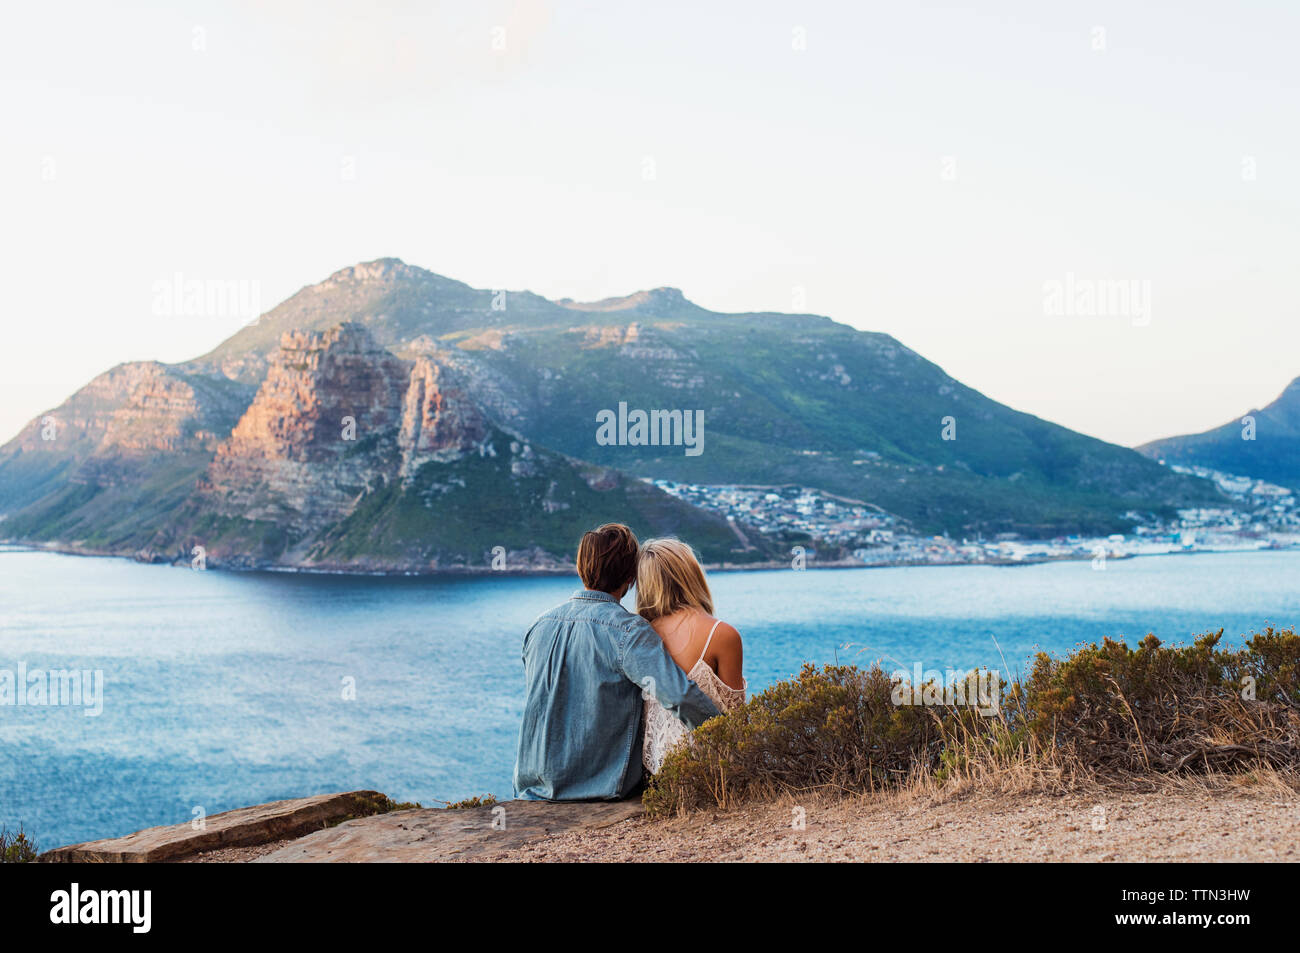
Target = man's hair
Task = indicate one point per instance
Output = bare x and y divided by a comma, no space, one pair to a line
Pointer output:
607,557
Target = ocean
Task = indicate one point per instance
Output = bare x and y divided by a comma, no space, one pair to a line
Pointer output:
224,689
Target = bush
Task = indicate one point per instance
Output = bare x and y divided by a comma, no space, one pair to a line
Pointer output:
485,800
836,728
1112,709
16,848
1272,659
1101,712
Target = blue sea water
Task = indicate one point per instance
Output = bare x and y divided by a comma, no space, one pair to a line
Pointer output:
227,689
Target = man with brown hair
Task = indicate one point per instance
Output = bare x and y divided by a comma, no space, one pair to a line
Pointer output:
586,664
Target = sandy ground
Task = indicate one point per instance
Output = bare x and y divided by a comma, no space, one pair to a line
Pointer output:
1232,823
1109,826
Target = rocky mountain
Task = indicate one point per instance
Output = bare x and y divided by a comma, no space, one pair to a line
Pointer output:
118,456
391,418
346,457
1266,446
785,399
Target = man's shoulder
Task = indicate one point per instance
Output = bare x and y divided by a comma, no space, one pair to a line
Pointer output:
551,617
597,611
553,611
615,614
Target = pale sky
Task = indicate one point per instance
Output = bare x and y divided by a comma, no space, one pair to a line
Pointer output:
915,168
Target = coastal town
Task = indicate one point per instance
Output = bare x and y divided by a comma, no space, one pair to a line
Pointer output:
1256,515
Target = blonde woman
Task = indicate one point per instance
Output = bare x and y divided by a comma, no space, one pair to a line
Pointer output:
673,596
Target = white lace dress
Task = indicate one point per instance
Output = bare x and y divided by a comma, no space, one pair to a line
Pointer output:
663,730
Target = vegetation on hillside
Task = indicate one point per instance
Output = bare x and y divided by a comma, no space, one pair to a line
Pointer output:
1268,450
478,800
16,848
786,398
456,513
1104,713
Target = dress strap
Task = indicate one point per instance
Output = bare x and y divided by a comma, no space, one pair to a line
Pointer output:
716,623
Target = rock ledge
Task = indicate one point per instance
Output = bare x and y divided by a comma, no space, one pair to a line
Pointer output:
243,827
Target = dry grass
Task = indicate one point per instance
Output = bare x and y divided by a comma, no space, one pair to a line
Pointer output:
1104,718
1224,817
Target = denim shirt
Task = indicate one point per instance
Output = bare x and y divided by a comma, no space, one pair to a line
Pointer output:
585,664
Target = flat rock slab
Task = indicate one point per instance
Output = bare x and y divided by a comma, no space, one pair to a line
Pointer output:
239,828
425,834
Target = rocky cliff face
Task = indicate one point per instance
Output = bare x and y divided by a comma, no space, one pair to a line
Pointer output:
336,417
439,420
140,407
119,423
347,456
312,439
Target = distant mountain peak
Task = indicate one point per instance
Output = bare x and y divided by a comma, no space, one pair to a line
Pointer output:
655,301
1290,396
1268,450
380,270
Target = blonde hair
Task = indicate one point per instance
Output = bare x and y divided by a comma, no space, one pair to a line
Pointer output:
668,578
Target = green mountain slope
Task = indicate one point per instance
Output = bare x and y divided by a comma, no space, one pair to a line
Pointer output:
785,399
239,451
1272,453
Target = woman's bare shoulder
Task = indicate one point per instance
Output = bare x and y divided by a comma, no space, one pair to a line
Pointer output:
726,634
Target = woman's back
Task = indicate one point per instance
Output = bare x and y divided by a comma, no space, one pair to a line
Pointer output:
682,633
673,595
692,637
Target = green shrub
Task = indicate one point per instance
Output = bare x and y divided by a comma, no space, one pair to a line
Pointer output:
391,805
1272,659
1111,709
16,848
835,728
486,800
1101,712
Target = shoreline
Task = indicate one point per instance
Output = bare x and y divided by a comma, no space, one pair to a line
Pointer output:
65,549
